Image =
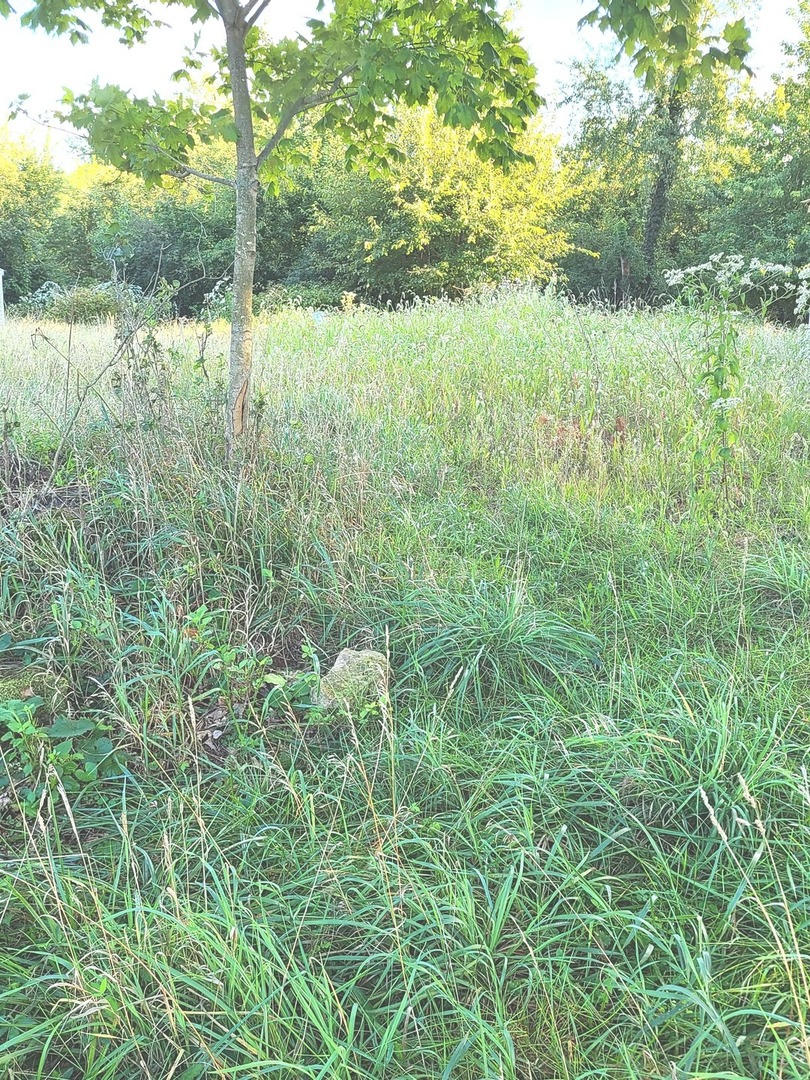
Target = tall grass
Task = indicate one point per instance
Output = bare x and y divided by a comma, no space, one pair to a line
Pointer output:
573,843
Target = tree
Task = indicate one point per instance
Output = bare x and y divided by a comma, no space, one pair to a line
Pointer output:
618,141
752,178
29,193
351,67
672,45
606,161
439,222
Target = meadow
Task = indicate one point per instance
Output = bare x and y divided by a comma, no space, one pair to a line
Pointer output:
574,840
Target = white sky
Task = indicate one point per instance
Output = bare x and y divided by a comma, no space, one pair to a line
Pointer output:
33,63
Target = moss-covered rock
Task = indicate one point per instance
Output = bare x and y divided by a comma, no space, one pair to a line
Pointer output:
358,678
20,681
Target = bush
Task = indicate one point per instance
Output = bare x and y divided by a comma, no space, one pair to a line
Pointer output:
317,295
440,223
219,302
78,303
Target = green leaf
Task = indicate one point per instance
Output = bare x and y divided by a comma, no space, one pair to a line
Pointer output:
678,38
65,727
27,708
737,34
680,10
229,132
274,679
101,747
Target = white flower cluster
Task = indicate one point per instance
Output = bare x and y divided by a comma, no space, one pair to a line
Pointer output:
803,291
730,275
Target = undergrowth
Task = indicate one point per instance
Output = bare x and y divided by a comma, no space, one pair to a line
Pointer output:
572,843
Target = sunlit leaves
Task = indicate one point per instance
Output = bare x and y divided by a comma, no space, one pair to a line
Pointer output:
438,219
132,19
150,138
459,55
357,65
360,59
352,66
60,17
673,36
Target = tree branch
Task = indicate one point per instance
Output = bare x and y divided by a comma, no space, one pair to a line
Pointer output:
285,120
320,97
229,11
185,171
300,105
254,11
72,132
180,173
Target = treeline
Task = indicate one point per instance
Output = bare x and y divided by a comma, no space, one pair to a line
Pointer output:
723,168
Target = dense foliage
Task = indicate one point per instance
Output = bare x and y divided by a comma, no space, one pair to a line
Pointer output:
438,220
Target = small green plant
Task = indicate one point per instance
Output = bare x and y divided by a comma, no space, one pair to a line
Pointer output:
22,744
717,291
721,383
73,751
286,693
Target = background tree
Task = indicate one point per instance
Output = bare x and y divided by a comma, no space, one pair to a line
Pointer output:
613,156
440,221
757,173
607,159
672,45
30,187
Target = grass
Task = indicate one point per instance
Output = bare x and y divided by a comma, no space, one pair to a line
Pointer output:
574,842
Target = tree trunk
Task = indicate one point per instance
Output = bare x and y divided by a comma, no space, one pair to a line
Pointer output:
244,259
668,161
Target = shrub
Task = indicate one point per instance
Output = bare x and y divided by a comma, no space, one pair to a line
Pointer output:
78,303
316,296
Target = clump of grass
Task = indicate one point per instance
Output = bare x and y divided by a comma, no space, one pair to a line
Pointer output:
537,860
782,578
494,642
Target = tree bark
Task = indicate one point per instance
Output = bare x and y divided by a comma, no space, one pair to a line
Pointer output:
668,161
244,259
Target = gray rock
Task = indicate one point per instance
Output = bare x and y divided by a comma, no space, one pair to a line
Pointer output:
358,678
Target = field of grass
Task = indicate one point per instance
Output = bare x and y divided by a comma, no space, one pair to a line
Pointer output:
573,843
